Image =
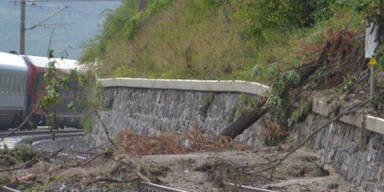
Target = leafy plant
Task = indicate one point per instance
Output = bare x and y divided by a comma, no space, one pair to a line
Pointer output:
281,15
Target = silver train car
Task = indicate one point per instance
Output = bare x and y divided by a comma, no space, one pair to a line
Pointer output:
13,87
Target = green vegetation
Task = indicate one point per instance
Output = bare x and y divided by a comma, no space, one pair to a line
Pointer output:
19,154
217,39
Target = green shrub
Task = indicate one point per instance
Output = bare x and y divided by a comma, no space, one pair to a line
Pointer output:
283,15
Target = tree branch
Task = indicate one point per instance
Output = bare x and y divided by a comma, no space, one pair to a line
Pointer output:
346,112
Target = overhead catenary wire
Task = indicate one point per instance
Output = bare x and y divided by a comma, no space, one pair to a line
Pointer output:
47,18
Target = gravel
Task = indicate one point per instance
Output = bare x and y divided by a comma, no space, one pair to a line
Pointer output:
69,144
74,147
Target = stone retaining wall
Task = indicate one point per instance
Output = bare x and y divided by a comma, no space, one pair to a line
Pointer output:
155,111
353,152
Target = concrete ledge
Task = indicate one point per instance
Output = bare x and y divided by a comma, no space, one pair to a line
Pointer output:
371,123
320,107
192,85
374,124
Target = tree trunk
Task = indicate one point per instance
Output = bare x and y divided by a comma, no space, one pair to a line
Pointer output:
142,4
250,117
244,121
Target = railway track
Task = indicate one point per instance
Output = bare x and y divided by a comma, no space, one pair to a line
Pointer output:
38,132
40,137
151,187
24,137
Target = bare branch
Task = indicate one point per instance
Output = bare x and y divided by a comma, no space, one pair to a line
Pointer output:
346,112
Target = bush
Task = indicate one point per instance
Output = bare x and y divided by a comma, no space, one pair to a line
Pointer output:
282,15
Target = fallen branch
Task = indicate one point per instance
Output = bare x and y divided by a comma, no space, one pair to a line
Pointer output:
142,177
112,180
246,188
54,154
91,159
346,112
104,127
9,189
249,118
31,162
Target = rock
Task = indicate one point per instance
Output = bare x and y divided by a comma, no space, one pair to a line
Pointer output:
318,172
379,77
63,187
333,186
27,178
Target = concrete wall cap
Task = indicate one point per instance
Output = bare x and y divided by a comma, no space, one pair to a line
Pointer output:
193,85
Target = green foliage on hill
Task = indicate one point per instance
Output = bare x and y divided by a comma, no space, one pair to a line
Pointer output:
216,39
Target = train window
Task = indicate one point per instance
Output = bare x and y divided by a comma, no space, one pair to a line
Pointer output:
18,84
6,83
10,83
21,87
14,83
25,84
2,83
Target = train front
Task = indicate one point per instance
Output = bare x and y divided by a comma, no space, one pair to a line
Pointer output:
13,82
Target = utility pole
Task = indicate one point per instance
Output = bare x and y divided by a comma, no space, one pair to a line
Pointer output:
371,44
22,27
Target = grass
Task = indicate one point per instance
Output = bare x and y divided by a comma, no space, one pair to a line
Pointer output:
200,39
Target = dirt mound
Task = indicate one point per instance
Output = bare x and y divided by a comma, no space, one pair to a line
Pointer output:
145,145
172,143
340,56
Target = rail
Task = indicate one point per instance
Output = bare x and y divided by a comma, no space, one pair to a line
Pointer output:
151,187
38,132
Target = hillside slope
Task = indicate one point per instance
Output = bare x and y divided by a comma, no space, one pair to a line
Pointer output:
217,39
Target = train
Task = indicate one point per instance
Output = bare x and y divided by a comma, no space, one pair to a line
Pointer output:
22,87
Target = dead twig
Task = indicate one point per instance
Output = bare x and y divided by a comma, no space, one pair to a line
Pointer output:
9,189
55,153
136,171
112,180
141,176
91,159
104,126
280,161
